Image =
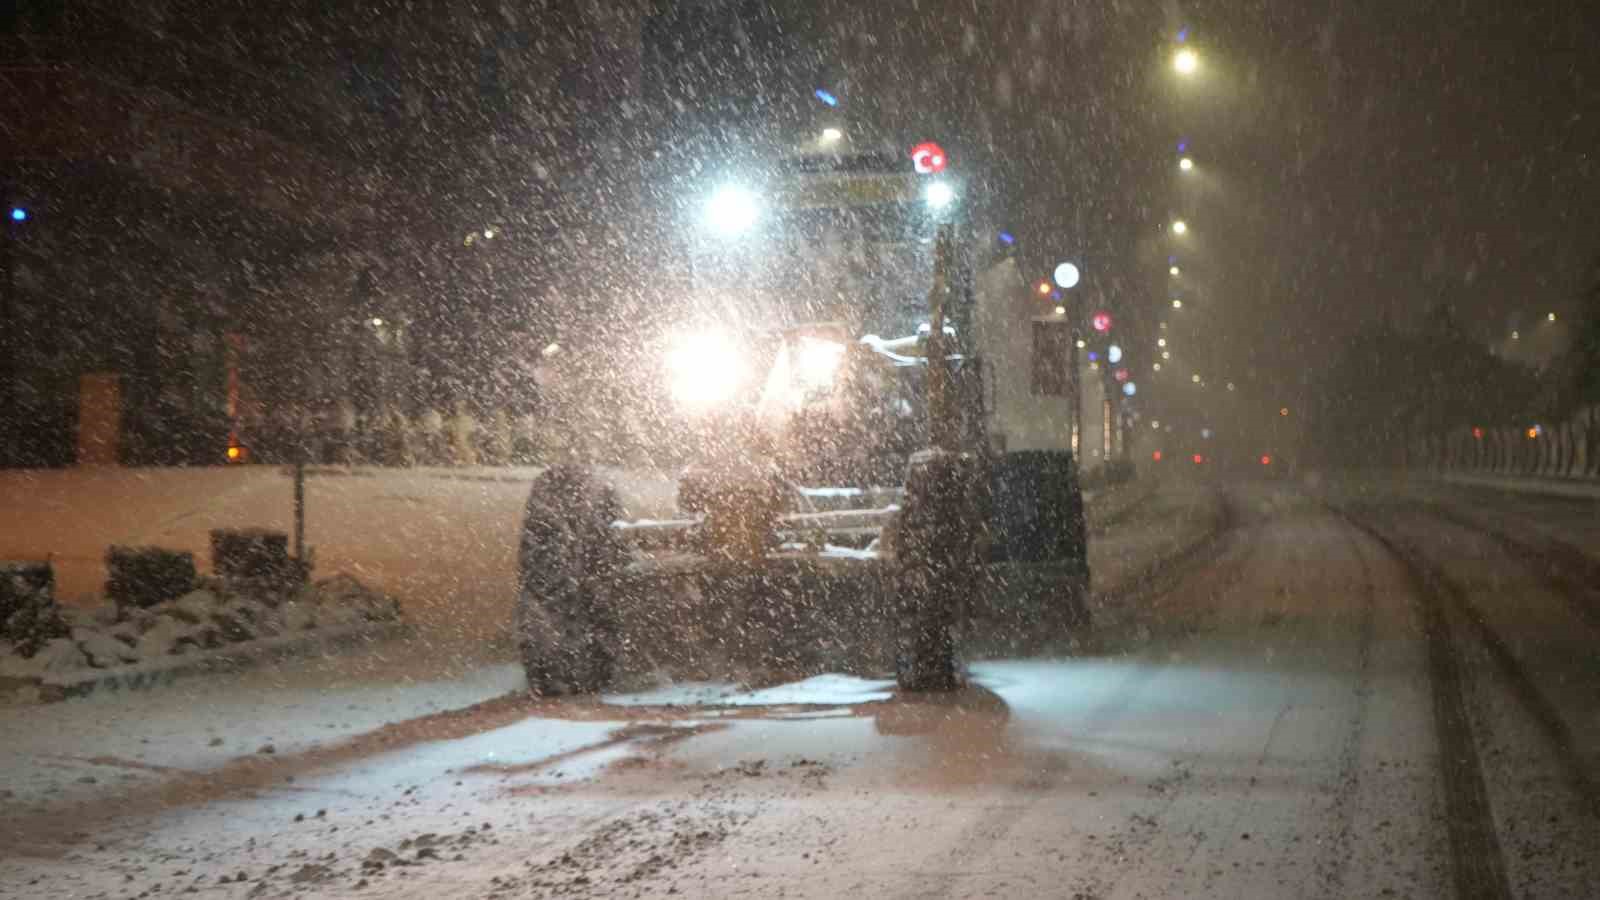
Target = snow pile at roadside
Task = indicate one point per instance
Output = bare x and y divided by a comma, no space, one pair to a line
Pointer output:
820,690
40,639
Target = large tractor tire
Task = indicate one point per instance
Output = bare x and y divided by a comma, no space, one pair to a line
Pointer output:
937,567
1037,521
570,562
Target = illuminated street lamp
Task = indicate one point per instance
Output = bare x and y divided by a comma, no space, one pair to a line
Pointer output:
1180,227
1176,303
1174,271
1551,317
1186,164
831,135
1186,62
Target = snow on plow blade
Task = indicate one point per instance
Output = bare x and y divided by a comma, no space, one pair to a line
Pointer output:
605,603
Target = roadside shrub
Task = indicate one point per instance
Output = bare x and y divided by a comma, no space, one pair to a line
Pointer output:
20,580
141,577
29,617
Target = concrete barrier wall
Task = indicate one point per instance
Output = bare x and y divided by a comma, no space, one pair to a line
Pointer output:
1561,450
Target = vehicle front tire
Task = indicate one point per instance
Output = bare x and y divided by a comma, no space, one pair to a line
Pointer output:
936,568
570,562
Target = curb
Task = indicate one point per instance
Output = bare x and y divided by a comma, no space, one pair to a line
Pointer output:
145,676
1547,485
443,474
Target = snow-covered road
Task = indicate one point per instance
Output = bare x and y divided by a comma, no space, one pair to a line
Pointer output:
1375,701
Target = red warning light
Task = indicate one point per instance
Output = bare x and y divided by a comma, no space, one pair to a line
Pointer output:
1198,459
928,158
1477,434
1266,460
1121,375
1101,321
1156,456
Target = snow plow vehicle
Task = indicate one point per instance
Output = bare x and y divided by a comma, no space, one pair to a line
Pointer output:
863,503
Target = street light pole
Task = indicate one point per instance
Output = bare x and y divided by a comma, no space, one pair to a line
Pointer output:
10,427
1075,394
944,424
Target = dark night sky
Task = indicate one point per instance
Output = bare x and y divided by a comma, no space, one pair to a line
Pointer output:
1359,160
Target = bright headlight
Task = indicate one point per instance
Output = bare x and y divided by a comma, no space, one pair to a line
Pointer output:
704,369
817,362
732,209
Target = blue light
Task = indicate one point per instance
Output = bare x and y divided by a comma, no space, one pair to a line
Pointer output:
1055,295
827,97
1183,146
1007,238
1172,260
1183,35
1093,356
18,214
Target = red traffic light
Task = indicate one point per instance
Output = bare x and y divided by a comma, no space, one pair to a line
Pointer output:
1121,375
1101,321
928,158
1156,456
1477,433
1266,460
1198,459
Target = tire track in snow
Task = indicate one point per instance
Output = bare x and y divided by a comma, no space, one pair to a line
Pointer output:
1334,860
1477,859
